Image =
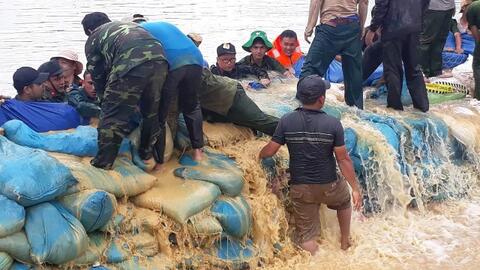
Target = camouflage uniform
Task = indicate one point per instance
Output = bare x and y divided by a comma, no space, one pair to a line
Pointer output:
268,64
85,106
240,71
224,100
128,68
51,95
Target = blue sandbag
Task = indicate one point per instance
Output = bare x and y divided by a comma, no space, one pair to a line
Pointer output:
100,267
17,246
118,251
234,250
93,208
374,77
124,180
40,116
350,139
5,261
81,142
334,72
217,169
55,236
12,217
298,66
389,134
393,131
333,111
96,247
30,176
234,215
381,95
20,266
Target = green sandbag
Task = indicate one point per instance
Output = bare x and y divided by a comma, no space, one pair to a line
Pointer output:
124,180
179,199
5,261
97,244
17,246
435,98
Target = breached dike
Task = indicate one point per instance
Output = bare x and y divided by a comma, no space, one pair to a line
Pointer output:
218,212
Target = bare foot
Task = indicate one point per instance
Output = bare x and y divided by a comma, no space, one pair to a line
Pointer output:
149,164
197,154
345,244
159,168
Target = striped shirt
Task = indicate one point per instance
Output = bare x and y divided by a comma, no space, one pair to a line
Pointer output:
310,137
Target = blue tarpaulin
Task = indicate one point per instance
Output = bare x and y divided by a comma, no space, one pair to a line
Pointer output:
40,116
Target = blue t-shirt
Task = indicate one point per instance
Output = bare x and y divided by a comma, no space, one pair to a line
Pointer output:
179,49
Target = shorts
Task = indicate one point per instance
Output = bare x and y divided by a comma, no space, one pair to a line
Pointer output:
306,200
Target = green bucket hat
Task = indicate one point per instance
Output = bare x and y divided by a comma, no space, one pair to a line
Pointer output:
253,36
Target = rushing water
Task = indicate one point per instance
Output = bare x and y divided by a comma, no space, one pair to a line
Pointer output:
441,230
436,236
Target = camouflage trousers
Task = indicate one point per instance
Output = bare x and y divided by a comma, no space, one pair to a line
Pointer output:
139,90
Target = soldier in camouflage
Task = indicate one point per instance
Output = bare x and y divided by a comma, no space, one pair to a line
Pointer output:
128,68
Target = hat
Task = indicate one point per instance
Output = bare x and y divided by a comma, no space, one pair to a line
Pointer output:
195,37
139,18
310,88
51,67
26,76
72,56
254,36
226,48
93,20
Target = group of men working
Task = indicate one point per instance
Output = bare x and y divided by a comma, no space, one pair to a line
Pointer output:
148,70
315,140
153,70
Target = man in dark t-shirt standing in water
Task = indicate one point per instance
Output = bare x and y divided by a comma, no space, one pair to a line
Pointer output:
312,138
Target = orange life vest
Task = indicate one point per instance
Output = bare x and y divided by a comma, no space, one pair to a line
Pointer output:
277,53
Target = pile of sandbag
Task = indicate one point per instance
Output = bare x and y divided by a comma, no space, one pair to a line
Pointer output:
42,221
60,210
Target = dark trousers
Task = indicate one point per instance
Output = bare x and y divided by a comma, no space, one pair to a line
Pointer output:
436,25
476,70
394,52
244,112
330,41
181,85
372,59
140,86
